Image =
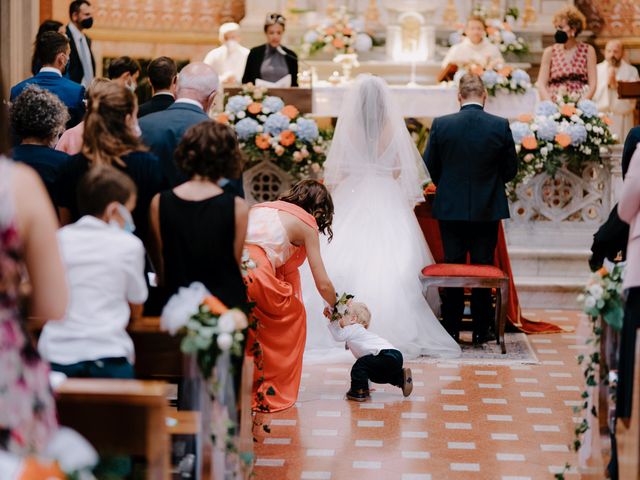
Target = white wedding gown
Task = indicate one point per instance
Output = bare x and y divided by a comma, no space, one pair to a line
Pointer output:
378,248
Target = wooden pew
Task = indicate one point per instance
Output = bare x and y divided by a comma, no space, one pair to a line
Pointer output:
158,354
119,417
628,432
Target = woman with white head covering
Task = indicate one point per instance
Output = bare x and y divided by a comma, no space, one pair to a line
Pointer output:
230,58
375,175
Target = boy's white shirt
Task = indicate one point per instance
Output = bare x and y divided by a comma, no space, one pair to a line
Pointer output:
105,272
359,340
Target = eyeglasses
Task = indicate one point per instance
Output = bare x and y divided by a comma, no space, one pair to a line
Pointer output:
274,18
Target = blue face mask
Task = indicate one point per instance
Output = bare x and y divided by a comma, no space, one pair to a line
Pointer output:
129,226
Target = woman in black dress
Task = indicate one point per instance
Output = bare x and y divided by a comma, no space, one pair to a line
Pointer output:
198,228
111,137
272,61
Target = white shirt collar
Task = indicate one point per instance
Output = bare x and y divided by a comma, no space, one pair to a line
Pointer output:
471,103
51,70
190,101
91,221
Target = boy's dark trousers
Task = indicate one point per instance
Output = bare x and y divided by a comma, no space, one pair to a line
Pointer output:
386,367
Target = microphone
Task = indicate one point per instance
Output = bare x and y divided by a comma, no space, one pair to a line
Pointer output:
283,52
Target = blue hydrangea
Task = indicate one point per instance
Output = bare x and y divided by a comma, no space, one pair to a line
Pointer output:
237,103
589,108
547,129
520,76
546,108
276,123
508,38
455,38
311,36
273,104
578,133
307,129
490,78
519,130
246,128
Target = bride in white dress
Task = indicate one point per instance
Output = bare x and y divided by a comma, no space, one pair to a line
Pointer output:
375,175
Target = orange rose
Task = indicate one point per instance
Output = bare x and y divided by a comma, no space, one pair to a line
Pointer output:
603,271
491,31
34,470
563,139
430,188
505,71
287,138
330,30
525,117
607,120
215,305
222,118
506,26
567,109
347,31
262,141
529,142
476,69
338,43
290,111
254,108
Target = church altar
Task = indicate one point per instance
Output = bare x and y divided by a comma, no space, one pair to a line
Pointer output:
424,101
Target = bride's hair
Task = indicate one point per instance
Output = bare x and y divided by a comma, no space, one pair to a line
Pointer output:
314,198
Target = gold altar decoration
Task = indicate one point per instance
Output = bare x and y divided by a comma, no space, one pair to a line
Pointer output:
529,16
372,15
450,15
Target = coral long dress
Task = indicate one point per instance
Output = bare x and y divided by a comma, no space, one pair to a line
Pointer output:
569,75
274,287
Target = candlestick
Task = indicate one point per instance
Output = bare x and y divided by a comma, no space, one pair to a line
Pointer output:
450,15
529,16
331,7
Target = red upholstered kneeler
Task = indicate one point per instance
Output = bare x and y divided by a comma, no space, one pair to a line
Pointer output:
472,276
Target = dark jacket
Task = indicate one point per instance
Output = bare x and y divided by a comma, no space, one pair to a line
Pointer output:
75,71
71,93
256,57
46,161
158,103
470,156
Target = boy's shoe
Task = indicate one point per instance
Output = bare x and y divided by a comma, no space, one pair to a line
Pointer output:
359,395
407,384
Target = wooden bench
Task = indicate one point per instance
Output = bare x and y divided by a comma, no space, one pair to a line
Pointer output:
119,417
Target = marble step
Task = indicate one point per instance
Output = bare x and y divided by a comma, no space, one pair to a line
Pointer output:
567,263
549,292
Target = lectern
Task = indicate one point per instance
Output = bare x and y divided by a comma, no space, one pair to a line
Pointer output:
631,91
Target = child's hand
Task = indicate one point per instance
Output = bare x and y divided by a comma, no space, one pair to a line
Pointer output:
327,312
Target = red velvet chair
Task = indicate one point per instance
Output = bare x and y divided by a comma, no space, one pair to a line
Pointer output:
472,276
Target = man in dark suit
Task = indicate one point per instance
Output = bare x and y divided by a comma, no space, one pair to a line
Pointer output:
82,65
470,156
162,131
53,50
162,72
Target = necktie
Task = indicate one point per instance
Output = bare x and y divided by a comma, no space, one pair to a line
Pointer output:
85,60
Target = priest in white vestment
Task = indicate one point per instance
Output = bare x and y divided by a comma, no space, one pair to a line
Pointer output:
230,58
475,48
612,70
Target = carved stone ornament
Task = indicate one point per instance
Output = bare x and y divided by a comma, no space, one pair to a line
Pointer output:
265,182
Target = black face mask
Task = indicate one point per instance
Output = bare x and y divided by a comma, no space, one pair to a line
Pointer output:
87,23
561,36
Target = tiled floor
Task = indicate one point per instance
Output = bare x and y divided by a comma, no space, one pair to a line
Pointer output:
461,422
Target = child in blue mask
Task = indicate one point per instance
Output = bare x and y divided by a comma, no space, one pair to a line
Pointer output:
105,270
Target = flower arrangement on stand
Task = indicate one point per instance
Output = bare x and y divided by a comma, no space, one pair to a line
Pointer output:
270,130
215,335
505,79
566,133
339,34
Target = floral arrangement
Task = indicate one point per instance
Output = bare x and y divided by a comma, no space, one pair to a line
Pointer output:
270,130
341,307
506,79
499,33
602,297
338,34
564,133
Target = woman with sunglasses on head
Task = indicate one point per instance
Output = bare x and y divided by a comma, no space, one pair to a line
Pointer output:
272,61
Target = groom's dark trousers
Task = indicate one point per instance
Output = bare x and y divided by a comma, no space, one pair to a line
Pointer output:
470,156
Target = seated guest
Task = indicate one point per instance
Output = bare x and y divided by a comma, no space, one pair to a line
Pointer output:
46,26
125,71
568,65
272,62
230,58
163,73
611,70
52,48
105,270
198,228
37,118
71,140
475,48
111,138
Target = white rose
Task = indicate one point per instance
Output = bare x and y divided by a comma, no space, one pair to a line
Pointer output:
590,302
596,291
266,112
544,151
241,115
226,323
262,118
178,311
589,127
225,340
604,150
518,147
240,319
587,151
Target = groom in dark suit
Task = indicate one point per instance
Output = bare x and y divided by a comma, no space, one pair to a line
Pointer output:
470,156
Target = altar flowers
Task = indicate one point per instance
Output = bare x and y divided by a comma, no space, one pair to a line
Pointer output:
566,133
268,129
339,34
504,79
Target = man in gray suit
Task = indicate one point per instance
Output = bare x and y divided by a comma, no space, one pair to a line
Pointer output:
162,131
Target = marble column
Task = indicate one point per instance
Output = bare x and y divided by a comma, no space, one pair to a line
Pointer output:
19,20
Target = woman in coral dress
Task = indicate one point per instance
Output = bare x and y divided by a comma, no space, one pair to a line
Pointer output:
280,237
